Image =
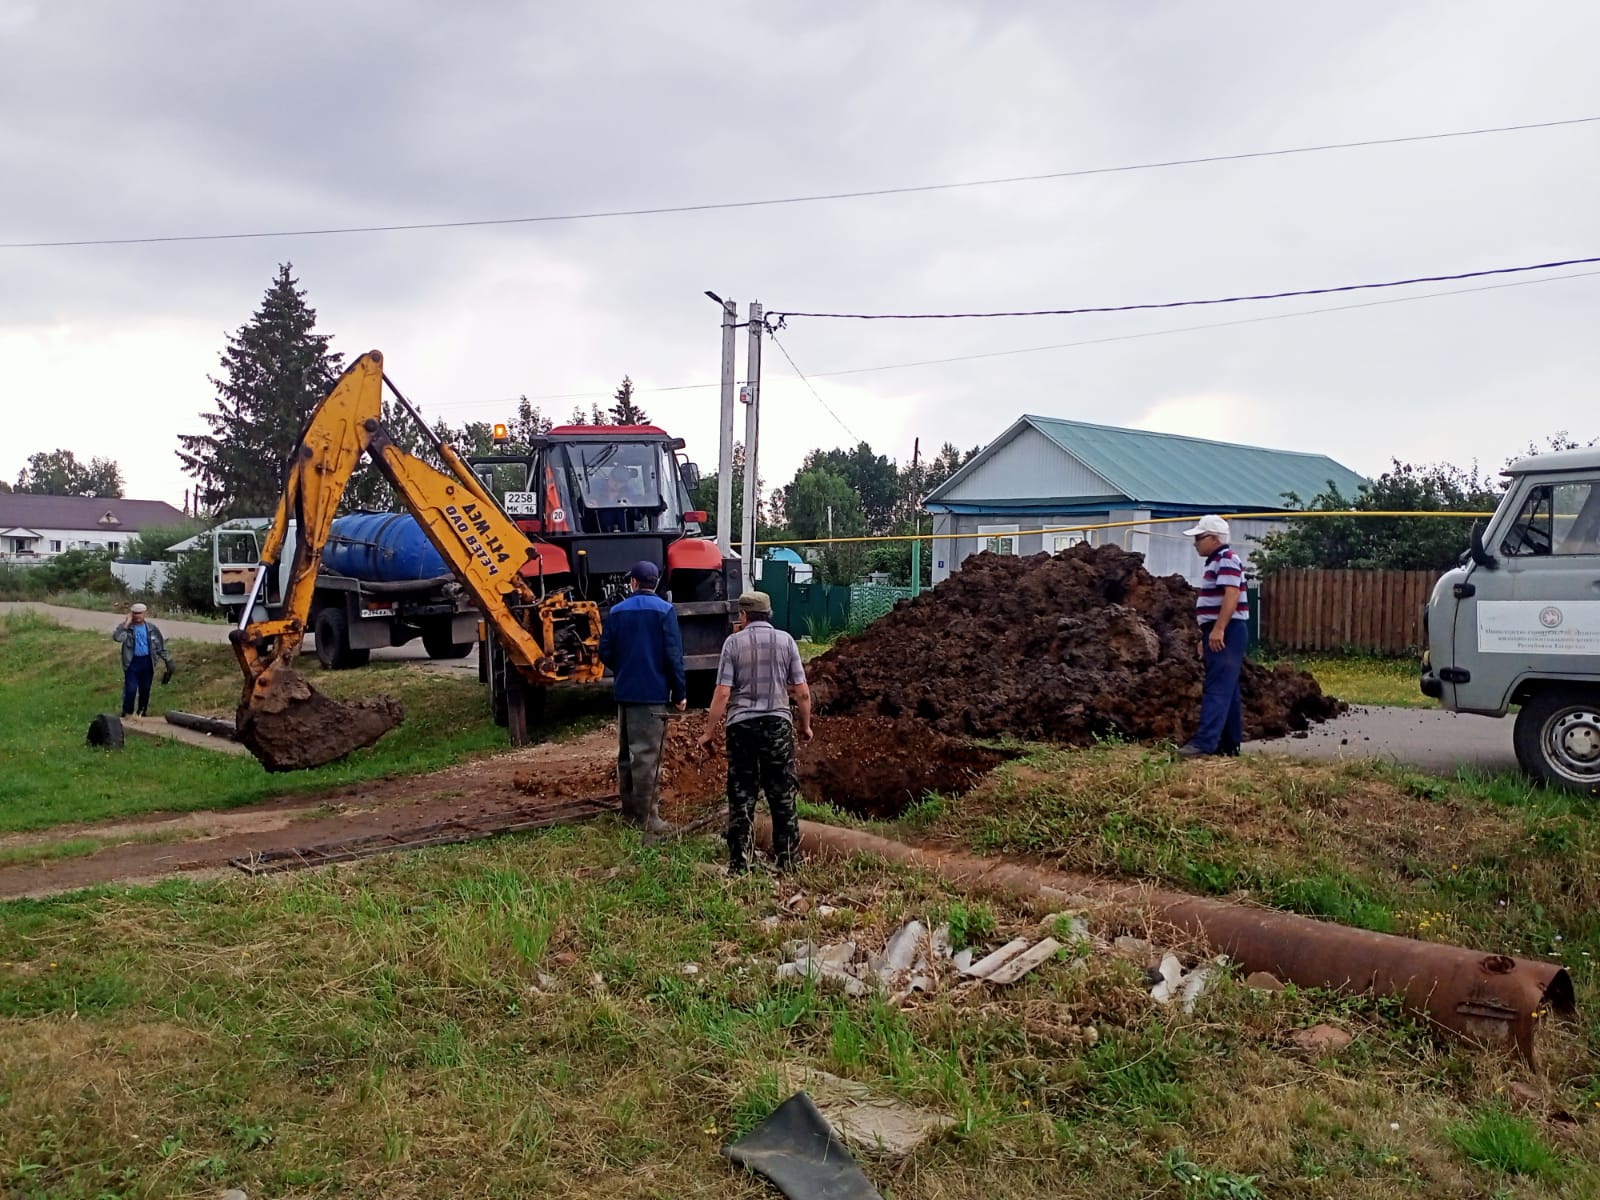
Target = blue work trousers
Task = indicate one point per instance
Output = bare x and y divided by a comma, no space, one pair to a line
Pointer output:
136,681
1221,704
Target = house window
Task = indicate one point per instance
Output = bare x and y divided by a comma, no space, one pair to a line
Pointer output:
1065,541
114,547
1004,540
55,546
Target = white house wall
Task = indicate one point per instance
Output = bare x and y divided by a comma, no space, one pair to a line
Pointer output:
1166,550
55,541
949,551
1025,468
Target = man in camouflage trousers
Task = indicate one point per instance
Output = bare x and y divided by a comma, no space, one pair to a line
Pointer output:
760,673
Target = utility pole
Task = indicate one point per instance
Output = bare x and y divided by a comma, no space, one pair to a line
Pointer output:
752,431
916,523
730,318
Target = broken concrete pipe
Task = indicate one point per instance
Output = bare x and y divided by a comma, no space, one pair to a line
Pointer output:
1491,999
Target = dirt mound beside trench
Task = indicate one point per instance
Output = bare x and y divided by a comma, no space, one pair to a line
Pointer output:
871,766
1068,648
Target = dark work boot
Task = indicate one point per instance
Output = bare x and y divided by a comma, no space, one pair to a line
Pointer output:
1190,750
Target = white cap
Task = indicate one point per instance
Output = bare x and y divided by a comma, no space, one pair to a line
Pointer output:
1210,523
137,608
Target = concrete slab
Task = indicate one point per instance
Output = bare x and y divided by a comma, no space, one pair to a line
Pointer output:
1429,739
155,727
867,1120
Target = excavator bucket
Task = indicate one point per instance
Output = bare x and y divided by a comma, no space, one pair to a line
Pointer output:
291,726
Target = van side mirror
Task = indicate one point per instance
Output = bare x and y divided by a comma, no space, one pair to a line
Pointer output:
1479,555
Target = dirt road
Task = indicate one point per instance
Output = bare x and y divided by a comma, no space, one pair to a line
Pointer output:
206,631
164,844
1426,738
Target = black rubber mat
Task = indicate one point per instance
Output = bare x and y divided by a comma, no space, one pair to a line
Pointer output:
798,1151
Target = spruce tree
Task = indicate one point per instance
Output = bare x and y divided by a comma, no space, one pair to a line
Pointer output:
275,370
623,410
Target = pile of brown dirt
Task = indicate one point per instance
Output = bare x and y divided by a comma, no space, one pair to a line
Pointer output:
292,726
872,766
1068,648
875,766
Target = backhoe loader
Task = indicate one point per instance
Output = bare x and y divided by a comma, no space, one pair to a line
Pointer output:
542,634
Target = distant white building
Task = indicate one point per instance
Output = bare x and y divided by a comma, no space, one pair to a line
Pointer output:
34,529
1044,473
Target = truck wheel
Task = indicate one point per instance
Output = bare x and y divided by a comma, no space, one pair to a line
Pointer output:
524,709
333,641
437,640
499,701
700,685
1557,738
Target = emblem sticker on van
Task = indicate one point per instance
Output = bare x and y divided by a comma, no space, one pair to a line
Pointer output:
1535,627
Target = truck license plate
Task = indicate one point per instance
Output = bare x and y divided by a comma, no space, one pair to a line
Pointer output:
522,504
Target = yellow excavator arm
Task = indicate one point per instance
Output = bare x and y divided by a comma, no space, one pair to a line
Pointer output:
545,638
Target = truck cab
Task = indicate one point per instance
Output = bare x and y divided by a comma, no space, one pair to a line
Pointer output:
1517,623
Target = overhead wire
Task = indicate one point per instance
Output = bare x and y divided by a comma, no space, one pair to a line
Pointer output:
773,337
811,198
777,316
1095,341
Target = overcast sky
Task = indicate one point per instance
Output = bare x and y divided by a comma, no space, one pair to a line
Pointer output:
159,118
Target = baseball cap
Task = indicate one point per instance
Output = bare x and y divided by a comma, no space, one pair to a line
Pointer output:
646,572
755,602
138,608
1210,523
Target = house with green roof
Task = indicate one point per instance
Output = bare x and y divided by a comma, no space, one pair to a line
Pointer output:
1026,489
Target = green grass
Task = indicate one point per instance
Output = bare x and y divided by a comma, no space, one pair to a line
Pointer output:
1490,861
1365,679
1504,1142
430,1024
53,681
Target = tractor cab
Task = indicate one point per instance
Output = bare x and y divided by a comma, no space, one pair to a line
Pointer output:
605,497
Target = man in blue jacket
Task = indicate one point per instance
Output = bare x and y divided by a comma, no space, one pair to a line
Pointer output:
641,644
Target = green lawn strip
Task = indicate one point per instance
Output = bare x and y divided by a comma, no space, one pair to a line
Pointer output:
53,681
385,1027
1364,679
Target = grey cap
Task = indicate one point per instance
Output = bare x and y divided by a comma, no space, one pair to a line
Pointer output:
138,608
755,602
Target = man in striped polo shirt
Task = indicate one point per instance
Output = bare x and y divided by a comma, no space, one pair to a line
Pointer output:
1223,610
760,674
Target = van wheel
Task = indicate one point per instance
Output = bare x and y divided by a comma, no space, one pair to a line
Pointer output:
333,641
1557,738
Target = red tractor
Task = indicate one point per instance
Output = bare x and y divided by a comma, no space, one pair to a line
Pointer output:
595,499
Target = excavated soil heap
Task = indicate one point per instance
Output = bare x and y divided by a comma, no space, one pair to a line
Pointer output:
293,726
872,766
1068,648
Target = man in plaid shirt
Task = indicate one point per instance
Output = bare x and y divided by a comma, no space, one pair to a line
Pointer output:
1223,609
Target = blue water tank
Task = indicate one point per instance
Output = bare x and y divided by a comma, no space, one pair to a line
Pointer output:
381,548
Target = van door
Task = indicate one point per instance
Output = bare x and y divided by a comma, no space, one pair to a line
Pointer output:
1539,614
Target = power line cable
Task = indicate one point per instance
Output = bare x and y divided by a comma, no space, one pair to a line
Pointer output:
813,198
1096,341
777,317
796,367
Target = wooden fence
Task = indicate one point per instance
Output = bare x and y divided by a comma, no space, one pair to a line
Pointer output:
1379,612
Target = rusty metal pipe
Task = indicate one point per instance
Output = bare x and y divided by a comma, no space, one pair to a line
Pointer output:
1490,998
